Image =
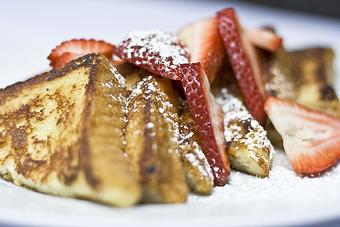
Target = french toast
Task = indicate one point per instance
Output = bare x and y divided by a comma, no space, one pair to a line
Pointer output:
131,73
277,73
249,149
196,167
150,118
152,140
304,76
62,133
312,69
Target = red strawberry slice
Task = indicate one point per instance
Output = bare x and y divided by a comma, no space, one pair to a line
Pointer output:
244,62
311,139
264,39
208,119
155,51
75,48
163,55
205,45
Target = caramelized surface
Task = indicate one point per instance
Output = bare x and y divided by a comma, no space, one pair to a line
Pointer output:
249,149
196,167
152,141
312,69
62,133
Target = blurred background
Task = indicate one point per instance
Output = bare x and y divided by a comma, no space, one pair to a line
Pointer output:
31,29
328,8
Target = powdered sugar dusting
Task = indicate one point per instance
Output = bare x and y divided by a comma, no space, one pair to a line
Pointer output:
197,159
196,167
192,151
147,88
154,50
120,78
237,115
283,188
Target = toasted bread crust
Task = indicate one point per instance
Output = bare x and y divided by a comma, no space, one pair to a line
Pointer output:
196,167
88,61
12,91
65,133
152,141
312,69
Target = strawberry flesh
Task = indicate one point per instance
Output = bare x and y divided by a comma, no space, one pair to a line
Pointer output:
311,139
163,55
264,39
246,70
205,45
75,48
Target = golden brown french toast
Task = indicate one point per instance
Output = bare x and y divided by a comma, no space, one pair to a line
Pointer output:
249,148
277,73
196,167
304,76
152,140
312,69
131,73
62,133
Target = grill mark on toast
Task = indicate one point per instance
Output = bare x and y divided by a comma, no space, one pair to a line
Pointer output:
84,152
147,160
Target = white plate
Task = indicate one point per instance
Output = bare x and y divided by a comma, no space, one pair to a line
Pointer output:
30,29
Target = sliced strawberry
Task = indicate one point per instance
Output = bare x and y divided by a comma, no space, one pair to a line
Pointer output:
62,60
311,139
244,62
75,48
205,45
163,55
155,51
264,39
207,116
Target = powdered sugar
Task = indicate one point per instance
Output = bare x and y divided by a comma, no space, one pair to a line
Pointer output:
191,152
236,115
147,88
282,184
120,78
197,159
279,84
157,50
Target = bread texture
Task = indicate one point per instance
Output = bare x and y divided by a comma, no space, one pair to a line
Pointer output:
62,133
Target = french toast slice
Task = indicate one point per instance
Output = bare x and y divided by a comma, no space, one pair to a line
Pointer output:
152,140
62,133
305,76
249,149
132,74
312,69
277,73
196,167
